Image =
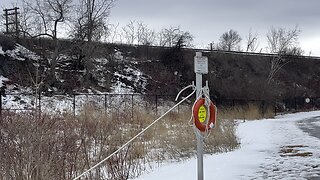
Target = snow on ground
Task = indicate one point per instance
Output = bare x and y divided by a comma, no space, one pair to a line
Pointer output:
121,88
129,74
270,149
20,53
1,51
2,80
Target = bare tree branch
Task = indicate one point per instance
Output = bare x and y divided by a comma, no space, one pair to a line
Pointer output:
280,41
42,18
252,42
173,36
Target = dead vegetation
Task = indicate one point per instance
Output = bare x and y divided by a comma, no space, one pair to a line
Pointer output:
294,151
250,111
62,147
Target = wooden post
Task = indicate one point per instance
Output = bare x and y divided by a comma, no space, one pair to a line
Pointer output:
16,21
7,20
13,22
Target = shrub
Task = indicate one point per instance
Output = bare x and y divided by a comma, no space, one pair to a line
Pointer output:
6,42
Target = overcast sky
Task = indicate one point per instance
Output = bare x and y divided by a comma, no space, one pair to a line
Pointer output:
206,20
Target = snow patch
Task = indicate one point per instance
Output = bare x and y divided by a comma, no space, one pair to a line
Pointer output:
121,88
130,74
3,80
20,53
118,56
102,61
1,51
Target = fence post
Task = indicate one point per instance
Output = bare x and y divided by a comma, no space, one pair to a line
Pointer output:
263,109
39,99
156,105
0,108
105,102
74,105
132,106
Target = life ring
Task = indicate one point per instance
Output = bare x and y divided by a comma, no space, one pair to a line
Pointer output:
212,119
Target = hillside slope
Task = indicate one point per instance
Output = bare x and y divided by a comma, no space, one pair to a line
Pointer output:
155,70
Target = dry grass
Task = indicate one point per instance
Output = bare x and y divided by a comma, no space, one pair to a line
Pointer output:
294,151
251,111
64,146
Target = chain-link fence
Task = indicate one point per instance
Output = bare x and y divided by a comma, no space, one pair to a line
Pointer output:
75,103
131,103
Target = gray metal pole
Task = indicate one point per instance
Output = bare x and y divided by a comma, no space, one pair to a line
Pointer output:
198,135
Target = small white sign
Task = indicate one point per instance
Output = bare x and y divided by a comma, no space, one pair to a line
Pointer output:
201,64
307,100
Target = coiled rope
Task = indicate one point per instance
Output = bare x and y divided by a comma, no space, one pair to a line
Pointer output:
204,92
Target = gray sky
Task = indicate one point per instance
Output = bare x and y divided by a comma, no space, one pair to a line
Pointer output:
208,19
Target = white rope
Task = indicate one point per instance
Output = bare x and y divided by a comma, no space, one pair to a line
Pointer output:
204,91
132,139
190,86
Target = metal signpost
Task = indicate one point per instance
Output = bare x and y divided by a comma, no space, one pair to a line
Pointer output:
200,67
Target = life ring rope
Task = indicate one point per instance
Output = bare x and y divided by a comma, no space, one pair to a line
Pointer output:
211,108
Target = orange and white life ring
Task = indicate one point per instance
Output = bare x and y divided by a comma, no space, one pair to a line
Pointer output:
198,121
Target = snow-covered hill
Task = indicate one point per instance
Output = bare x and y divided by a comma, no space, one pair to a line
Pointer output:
21,83
122,68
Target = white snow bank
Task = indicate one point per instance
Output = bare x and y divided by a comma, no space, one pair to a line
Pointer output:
2,80
258,157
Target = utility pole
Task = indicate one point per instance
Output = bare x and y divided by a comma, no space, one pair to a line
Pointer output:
12,23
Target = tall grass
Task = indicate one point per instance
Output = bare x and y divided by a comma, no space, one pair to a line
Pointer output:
64,146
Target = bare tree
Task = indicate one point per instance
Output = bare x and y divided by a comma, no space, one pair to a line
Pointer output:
281,41
136,32
229,41
42,20
89,25
145,36
174,36
129,32
91,19
112,34
25,21
252,42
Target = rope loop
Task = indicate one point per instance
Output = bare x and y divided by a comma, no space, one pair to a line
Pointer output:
204,94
